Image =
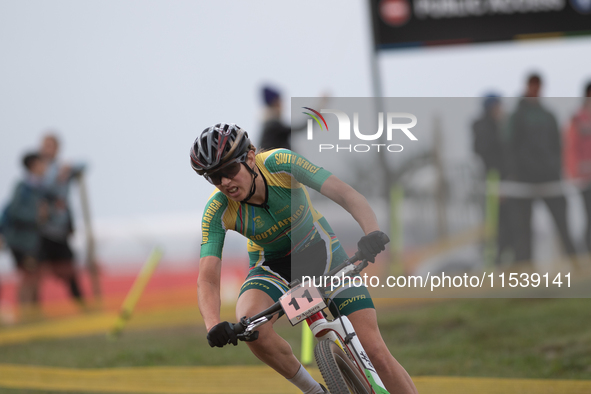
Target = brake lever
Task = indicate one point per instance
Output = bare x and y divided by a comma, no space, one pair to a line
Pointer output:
242,332
360,267
250,337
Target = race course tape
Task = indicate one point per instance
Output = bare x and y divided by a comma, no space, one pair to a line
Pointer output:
100,323
243,379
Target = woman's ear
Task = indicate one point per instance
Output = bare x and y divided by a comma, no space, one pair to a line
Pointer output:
251,158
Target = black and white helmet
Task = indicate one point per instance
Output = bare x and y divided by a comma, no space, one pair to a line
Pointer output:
218,145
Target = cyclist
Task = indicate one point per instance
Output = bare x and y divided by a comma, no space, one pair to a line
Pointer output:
262,197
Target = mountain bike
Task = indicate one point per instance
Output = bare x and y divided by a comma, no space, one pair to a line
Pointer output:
343,363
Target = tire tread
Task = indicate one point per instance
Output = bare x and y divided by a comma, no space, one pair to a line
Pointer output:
330,369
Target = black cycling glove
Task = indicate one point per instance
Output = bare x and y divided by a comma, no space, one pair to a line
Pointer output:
221,334
371,244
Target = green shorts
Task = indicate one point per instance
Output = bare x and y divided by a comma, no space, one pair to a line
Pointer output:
344,300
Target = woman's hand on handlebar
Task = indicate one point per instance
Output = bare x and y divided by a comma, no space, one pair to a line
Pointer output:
371,244
221,334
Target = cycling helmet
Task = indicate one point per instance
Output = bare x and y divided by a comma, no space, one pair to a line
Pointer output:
218,145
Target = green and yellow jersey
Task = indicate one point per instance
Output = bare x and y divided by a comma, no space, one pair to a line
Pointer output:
286,223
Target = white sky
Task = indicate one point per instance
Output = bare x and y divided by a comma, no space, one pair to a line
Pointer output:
130,84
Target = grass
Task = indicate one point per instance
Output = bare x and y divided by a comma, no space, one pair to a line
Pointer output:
511,338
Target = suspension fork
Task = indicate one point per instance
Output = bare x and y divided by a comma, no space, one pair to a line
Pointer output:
348,341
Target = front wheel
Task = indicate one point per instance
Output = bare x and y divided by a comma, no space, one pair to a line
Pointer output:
339,372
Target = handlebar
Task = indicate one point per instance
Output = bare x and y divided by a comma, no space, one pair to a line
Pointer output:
245,329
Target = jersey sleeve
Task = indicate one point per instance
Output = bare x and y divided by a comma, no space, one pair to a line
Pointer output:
286,161
213,230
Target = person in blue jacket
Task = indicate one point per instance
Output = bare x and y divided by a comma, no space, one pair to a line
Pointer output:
22,219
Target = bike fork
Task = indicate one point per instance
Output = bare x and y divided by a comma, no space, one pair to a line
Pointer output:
323,329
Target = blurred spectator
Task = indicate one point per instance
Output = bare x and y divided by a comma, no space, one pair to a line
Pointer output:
55,251
2,221
578,155
490,146
3,217
488,140
536,157
21,222
275,133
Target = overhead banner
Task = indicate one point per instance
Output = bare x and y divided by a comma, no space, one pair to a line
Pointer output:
412,23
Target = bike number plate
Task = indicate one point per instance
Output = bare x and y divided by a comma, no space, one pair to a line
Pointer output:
301,302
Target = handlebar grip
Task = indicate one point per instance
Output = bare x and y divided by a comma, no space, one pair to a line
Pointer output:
238,328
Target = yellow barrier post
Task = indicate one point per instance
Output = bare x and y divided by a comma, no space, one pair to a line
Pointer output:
491,218
136,292
307,355
396,198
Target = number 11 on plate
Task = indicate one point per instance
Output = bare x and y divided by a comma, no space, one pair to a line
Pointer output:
301,302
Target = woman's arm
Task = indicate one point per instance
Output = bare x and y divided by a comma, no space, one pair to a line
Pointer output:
353,202
208,290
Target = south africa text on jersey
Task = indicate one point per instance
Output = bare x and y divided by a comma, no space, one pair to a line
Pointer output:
290,158
207,218
282,223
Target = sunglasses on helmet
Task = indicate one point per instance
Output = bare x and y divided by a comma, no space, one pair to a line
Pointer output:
228,170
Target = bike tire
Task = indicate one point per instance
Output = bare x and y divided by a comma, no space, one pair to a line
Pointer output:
340,373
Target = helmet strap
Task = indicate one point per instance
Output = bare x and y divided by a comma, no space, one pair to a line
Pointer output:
253,187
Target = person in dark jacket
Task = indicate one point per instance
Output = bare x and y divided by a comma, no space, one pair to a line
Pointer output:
275,133
55,251
488,139
536,157
490,145
21,223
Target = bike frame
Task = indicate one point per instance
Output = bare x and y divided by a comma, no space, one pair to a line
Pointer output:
347,340
339,331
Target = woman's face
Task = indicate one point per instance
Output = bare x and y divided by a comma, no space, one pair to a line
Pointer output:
239,186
